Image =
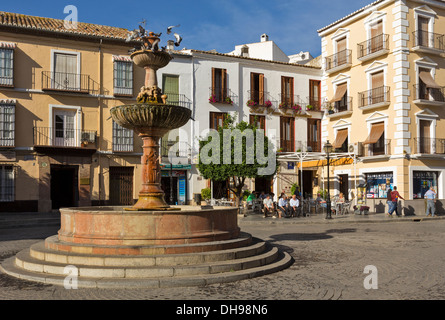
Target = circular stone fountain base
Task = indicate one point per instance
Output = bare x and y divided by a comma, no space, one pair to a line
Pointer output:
108,247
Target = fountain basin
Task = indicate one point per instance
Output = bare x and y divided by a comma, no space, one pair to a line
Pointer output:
115,226
154,60
152,117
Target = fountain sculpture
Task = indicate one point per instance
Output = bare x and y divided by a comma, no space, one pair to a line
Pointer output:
151,244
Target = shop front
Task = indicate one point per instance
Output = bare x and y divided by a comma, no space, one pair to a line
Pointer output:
174,183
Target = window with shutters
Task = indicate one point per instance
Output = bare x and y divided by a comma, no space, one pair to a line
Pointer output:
7,125
123,78
122,139
287,134
287,92
257,93
218,90
6,183
6,67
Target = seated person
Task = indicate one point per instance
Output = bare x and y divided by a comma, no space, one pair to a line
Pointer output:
294,203
269,207
339,203
283,206
250,198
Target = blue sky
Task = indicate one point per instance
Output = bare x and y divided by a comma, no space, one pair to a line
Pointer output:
209,24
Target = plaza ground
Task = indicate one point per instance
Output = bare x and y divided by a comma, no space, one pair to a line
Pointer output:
330,258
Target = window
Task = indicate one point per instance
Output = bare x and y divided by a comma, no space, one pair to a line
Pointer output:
258,121
342,52
341,141
378,93
7,125
378,184
425,142
6,183
217,119
6,67
287,92
65,130
340,99
314,94
287,134
122,139
422,181
376,139
257,88
123,78
170,86
219,85
65,72
428,89
314,135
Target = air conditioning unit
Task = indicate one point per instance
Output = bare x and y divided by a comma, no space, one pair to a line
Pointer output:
356,148
89,137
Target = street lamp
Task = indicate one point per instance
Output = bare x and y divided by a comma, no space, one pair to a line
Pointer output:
328,149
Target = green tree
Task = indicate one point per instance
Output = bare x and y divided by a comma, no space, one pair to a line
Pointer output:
244,157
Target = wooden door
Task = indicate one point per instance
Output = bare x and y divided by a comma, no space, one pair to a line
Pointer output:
121,185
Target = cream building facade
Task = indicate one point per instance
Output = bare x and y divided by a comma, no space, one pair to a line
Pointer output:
383,89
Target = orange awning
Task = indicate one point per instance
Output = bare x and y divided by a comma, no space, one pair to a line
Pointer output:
428,80
340,139
340,92
322,163
376,132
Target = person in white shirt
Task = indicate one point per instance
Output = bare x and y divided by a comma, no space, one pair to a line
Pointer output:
430,195
269,207
283,206
294,203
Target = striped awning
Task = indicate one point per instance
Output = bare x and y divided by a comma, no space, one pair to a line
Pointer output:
121,58
8,45
8,101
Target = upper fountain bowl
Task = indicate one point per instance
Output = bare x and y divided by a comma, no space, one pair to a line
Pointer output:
154,60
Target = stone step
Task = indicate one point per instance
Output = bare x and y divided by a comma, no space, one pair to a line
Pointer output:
40,252
283,260
26,261
55,244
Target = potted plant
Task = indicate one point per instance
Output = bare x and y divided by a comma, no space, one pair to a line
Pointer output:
296,107
228,100
206,194
212,99
309,107
268,104
251,103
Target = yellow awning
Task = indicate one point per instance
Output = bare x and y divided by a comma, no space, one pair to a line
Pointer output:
322,163
340,139
376,132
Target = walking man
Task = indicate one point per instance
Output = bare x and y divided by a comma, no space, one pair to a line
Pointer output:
395,195
430,195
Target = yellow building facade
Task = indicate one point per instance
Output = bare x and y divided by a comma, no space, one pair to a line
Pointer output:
383,89
58,145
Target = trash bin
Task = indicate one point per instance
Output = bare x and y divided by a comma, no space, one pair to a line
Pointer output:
197,198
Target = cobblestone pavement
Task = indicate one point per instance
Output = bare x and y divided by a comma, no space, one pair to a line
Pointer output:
329,264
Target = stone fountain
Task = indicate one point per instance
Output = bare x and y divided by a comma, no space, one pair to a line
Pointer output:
150,244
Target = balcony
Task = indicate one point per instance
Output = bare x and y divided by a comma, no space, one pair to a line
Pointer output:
339,108
221,95
315,103
374,98
428,42
51,139
65,82
380,148
373,47
429,146
284,145
429,96
180,100
338,61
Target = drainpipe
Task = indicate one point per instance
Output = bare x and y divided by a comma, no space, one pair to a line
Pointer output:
99,125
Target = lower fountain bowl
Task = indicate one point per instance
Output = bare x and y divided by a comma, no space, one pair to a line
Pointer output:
116,226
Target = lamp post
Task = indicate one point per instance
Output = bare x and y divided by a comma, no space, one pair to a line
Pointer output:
328,149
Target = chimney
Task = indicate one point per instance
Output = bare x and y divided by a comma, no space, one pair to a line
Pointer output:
170,45
245,51
264,37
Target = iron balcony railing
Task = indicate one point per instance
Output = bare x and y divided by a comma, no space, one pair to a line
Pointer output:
69,82
373,45
429,146
177,149
422,92
180,100
429,40
285,145
341,58
260,98
315,103
221,95
345,104
66,138
374,96
380,148
289,101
